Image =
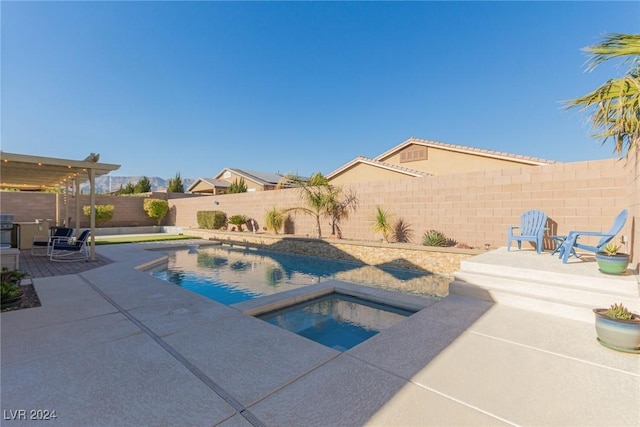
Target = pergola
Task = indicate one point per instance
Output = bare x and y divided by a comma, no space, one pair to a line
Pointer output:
36,173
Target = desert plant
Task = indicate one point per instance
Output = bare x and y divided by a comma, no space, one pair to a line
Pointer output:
211,220
315,192
238,220
402,232
611,248
274,220
616,102
104,213
238,186
338,205
619,311
436,238
156,209
382,223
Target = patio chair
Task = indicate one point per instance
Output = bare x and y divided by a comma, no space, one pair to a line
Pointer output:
40,245
531,229
69,250
570,241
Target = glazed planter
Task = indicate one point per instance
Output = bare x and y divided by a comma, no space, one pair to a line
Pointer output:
612,264
618,334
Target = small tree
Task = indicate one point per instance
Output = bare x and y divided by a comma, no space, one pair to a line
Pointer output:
338,206
143,186
156,208
315,193
175,185
127,189
104,213
238,186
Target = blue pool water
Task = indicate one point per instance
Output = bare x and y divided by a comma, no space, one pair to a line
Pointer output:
337,321
231,275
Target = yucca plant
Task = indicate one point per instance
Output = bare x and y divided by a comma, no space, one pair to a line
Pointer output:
382,223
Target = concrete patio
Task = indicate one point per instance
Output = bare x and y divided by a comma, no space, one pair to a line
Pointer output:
113,346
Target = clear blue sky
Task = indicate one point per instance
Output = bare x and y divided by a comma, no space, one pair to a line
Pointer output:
193,87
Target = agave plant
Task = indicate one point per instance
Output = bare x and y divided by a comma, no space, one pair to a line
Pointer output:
436,238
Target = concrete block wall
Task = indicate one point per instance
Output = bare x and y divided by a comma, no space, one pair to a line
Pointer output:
632,167
28,206
475,208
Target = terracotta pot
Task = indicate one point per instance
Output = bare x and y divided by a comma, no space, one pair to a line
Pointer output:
618,334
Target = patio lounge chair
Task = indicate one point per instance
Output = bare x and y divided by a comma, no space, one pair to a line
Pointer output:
40,245
531,229
570,241
68,250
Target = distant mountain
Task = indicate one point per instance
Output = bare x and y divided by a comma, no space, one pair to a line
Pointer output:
108,183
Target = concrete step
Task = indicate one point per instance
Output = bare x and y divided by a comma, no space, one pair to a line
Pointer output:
569,310
544,284
622,285
551,298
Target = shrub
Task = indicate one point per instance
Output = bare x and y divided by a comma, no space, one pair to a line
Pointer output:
238,220
436,238
104,213
211,220
274,220
382,223
156,208
9,283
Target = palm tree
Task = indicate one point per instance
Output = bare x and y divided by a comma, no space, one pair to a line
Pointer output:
314,192
616,103
339,205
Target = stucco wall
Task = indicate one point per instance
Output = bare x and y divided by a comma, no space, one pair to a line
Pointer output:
440,161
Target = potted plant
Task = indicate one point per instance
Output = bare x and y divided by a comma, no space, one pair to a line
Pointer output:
10,290
618,328
610,261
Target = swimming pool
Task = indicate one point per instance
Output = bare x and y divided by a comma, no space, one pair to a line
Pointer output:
338,321
230,275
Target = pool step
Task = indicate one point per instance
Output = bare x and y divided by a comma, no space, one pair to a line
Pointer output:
550,292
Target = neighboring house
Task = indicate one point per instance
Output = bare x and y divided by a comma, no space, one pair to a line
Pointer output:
418,158
209,186
255,181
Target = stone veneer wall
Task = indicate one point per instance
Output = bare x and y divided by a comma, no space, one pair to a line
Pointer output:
444,261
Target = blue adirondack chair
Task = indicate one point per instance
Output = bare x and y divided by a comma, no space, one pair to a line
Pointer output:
531,229
570,242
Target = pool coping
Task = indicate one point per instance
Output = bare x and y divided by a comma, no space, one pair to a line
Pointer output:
284,299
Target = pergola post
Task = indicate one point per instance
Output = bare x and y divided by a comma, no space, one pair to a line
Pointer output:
92,220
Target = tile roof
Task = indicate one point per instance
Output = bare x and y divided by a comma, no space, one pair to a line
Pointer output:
379,164
466,149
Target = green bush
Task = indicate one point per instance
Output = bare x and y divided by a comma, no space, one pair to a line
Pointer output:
10,283
211,220
104,213
156,209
